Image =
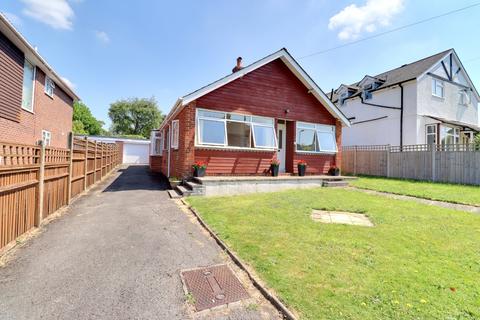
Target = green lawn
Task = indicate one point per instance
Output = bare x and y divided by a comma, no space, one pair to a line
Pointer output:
422,189
418,262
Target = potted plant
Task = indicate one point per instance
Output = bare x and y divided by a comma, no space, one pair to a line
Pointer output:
302,167
199,168
274,166
334,171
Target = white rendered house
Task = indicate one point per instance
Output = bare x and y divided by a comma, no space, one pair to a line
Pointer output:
432,100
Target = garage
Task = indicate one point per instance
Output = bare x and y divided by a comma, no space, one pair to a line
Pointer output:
135,151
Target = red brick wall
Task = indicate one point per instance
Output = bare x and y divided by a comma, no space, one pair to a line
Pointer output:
182,159
54,115
156,164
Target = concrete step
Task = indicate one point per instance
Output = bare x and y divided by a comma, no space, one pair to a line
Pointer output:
336,183
174,194
183,191
191,185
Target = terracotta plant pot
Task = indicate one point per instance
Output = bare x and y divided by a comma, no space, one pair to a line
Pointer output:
199,172
274,170
302,170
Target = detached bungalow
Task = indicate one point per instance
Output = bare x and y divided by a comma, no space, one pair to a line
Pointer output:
238,124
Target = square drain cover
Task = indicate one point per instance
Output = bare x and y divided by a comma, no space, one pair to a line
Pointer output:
213,286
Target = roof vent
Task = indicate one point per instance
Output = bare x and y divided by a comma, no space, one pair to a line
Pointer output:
238,66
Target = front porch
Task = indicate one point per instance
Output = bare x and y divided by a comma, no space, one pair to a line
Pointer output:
235,185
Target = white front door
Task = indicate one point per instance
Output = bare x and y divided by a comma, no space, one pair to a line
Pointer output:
281,136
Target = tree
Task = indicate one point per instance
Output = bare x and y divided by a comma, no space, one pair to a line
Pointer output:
135,116
84,122
476,141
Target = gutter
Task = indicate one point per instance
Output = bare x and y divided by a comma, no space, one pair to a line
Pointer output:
401,116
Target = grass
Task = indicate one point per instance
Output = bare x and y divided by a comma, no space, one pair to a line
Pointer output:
418,262
428,190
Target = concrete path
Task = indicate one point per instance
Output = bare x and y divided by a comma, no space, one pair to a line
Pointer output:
116,254
443,204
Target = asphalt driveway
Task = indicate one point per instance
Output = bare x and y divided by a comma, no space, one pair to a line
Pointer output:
116,255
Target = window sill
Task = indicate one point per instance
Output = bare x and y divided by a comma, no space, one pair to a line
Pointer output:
48,95
29,111
220,148
316,153
438,97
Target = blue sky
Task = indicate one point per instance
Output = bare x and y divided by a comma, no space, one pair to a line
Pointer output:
112,49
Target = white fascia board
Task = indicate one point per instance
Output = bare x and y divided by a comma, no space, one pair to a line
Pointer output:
175,109
434,65
314,89
292,65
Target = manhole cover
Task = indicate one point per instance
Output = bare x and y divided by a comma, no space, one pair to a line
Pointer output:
340,217
213,286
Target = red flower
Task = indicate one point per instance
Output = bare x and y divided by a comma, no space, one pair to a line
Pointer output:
275,162
200,165
302,163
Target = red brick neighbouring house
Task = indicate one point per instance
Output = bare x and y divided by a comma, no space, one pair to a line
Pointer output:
238,124
35,103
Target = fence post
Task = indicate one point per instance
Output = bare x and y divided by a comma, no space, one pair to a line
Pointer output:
70,169
388,161
355,161
433,154
41,177
85,173
95,163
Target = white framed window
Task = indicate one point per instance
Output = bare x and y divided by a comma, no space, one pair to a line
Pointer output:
49,86
343,98
28,85
449,135
464,97
431,133
438,89
158,143
175,133
367,95
233,130
315,138
46,137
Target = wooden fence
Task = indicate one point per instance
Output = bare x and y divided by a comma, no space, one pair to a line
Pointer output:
441,163
36,181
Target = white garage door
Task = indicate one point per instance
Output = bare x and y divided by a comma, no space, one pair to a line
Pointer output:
135,153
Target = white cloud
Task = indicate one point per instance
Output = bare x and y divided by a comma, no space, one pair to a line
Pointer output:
68,83
352,21
102,36
13,18
56,13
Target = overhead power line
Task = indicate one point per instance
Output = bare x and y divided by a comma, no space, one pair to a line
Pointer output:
392,30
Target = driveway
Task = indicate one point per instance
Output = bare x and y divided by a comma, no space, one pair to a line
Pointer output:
116,254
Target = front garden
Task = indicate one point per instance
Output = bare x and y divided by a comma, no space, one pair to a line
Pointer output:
417,262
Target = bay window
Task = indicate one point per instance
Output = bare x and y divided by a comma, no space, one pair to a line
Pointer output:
449,135
215,128
315,138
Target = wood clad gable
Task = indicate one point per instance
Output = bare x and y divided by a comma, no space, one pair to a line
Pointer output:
11,79
271,90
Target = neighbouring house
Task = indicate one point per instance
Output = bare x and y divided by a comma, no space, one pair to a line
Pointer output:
35,103
133,151
238,124
430,101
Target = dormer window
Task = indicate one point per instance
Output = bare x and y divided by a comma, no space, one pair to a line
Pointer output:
343,97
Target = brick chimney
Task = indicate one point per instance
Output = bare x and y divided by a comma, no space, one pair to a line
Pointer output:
239,65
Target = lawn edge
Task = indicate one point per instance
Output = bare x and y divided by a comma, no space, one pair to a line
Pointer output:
415,196
287,314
